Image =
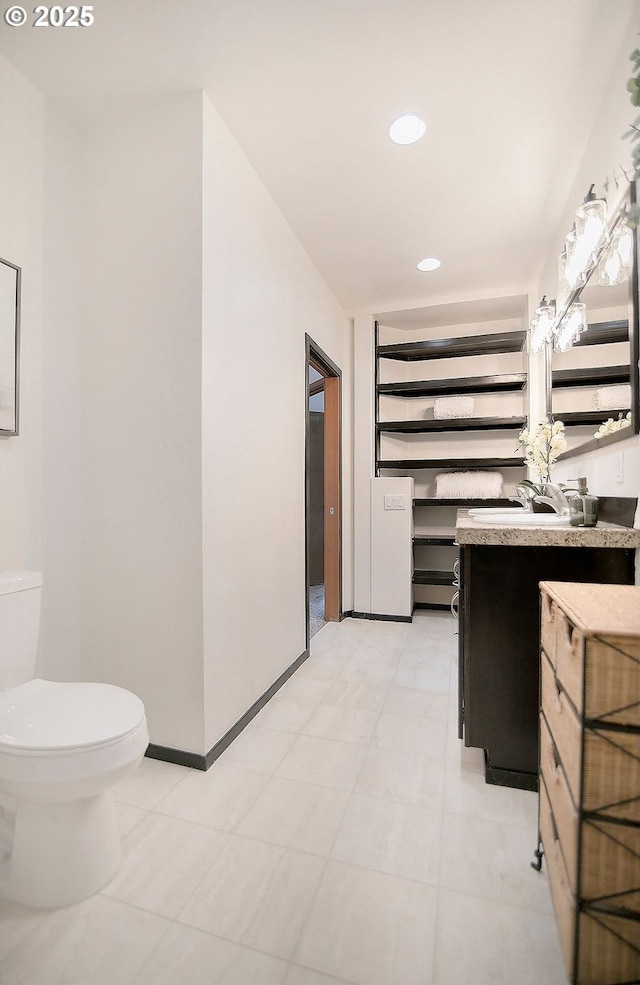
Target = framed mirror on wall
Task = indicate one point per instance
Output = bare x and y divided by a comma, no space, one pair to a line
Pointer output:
593,386
10,279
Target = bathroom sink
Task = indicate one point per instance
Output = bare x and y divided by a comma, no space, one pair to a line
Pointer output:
517,517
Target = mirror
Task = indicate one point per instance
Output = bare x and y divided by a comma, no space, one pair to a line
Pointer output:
9,340
596,380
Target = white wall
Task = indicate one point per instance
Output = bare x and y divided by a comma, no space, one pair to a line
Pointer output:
141,358
261,294
22,116
160,422
61,654
363,457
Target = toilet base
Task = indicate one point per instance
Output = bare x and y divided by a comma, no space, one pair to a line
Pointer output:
61,852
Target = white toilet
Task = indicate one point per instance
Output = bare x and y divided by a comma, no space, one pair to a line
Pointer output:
62,747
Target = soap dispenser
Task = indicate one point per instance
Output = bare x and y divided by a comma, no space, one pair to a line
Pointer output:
583,508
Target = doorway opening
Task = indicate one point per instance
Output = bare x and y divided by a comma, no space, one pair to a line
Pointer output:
323,491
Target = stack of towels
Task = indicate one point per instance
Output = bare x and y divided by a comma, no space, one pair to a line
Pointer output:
469,485
447,407
612,397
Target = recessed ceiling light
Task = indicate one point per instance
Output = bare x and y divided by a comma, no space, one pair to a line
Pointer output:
407,129
429,263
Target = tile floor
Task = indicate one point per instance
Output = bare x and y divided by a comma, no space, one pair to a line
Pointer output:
345,838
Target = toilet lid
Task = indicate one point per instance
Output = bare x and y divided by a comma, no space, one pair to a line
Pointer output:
48,715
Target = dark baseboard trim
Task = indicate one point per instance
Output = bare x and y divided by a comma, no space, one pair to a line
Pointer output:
434,606
509,778
178,756
200,762
379,616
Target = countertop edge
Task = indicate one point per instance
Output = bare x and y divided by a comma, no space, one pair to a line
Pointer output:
470,531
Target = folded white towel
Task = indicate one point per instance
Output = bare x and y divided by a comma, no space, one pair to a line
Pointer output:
446,407
469,485
612,397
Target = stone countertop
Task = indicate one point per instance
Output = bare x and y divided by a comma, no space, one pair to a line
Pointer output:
470,531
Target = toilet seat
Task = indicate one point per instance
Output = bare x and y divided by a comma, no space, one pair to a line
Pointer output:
42,717
63,747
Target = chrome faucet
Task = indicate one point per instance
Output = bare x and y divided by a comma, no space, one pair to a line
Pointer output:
556,499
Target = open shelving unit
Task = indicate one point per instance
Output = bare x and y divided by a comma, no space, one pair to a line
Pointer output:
581,380
435,445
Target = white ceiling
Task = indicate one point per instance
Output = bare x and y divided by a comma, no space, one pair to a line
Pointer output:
509,90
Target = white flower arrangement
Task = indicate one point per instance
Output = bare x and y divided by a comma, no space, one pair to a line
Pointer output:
542,446
610,426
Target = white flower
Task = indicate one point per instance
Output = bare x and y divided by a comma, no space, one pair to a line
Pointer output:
610,426
542,446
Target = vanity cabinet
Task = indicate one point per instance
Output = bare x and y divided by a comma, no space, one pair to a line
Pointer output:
589,814
499,653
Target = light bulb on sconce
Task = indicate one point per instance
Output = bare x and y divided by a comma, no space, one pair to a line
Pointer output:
573,269
573,325
591,225
542,325
615,264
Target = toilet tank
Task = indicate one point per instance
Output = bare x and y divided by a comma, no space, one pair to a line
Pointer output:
20,593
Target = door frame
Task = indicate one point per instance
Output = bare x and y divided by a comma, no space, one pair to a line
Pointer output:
332,480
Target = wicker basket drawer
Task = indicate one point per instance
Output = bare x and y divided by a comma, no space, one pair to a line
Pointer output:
564,727
598,947
612,681
564,903
548,610
610,865
565,815
606,779
569,663
610,773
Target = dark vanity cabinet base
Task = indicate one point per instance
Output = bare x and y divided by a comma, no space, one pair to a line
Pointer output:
499,634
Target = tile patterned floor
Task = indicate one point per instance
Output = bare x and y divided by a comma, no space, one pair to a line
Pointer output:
345,838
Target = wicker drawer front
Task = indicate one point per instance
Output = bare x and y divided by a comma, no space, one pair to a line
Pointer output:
610,857
565,815
610,774
607,780
569,664
548,611
610,865
608,949
564,903
564,727
598,948
612,681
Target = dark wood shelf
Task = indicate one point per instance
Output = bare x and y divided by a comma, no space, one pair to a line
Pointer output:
433,606
603,332
575,418
452,463
471,345
473,384
431,577
591,376
464,503
453,424
434,540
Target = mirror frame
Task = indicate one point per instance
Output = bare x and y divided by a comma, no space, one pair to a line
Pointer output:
10,344
628,199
